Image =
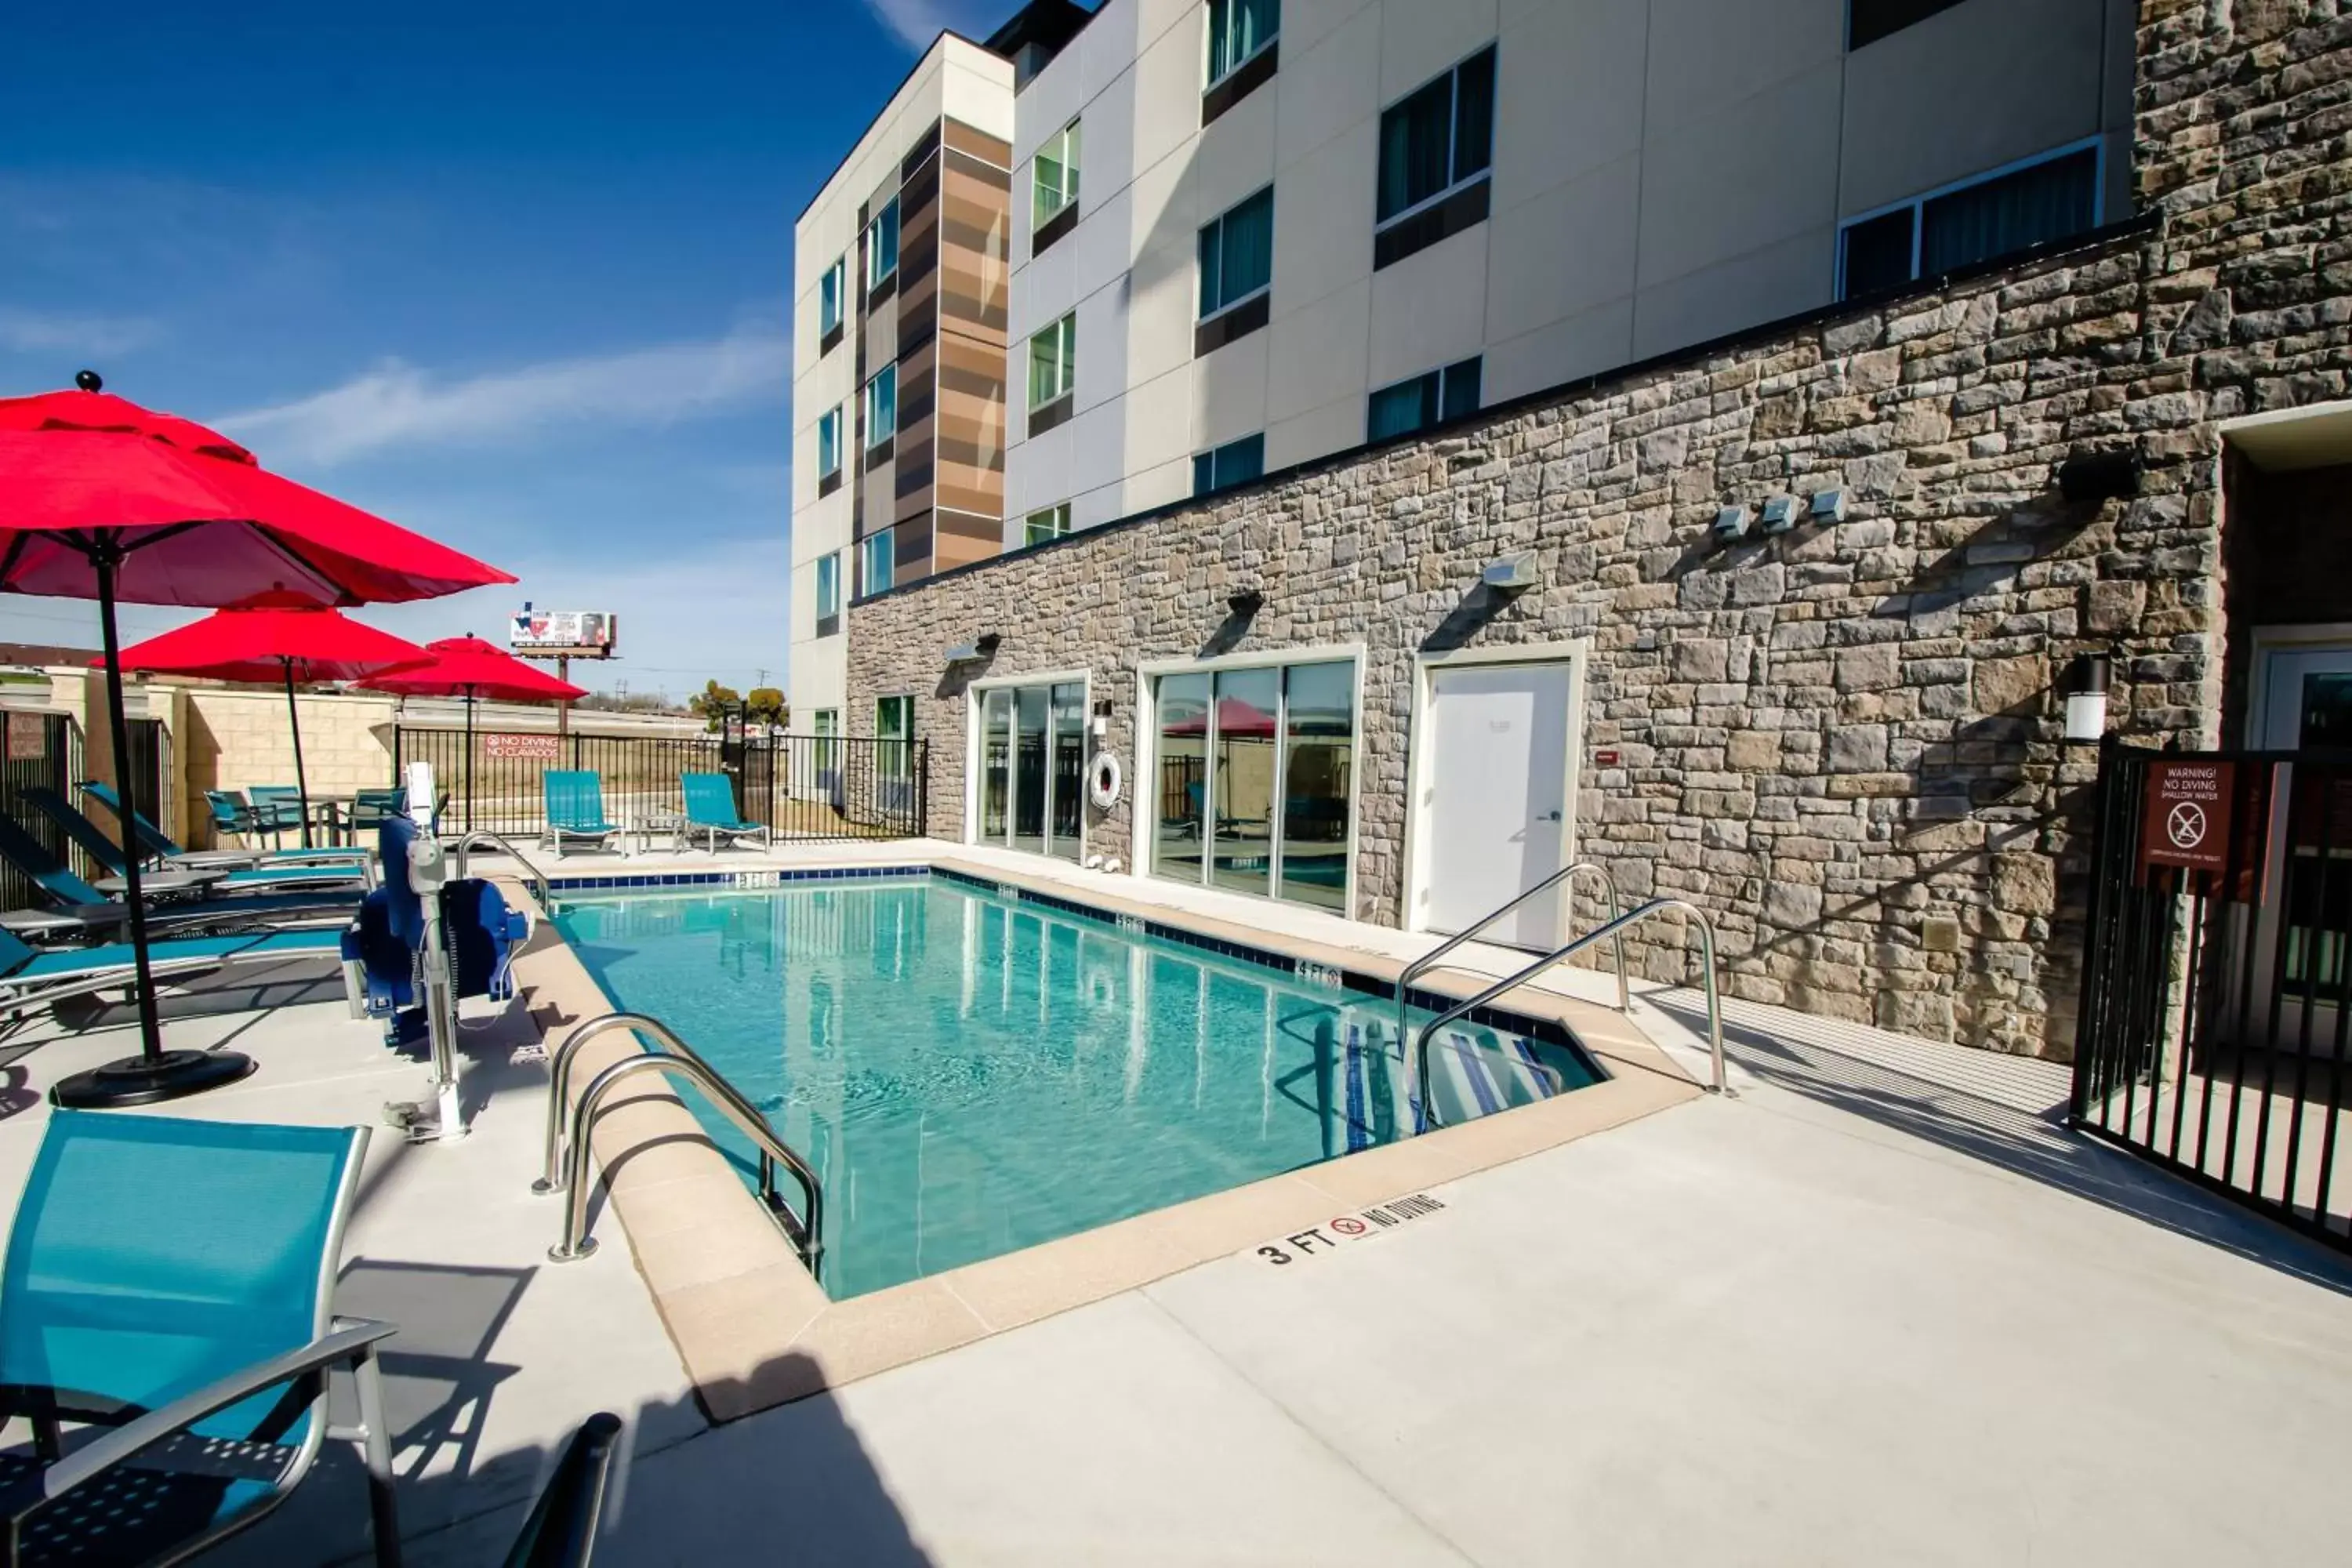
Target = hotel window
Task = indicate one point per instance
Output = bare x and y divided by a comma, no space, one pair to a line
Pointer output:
1053,362
1253,779
828,595
1239,31
1032,768
1437,147
1051,523
882,407
1867,21
1234,463
830,299
826,724
1057,179
1237,256
875,563
882,244
1424,401
828,443
1944,231
894,734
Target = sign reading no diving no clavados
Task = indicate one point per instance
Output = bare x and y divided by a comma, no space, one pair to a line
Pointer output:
2185,816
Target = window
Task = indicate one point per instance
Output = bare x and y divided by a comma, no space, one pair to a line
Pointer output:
1053,362
882,407
826,723
1237,255
894,729
1056,180
828,595
1238,31
1252,783
830,292
1051,523
1234,463
828,443
1424,401
1032,768
882,244
1867,21
1945,231
874,562
1438,140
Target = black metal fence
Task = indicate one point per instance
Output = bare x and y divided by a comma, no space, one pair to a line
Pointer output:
2215,1014
803,787
43,751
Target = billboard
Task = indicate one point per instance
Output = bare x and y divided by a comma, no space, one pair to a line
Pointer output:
585,633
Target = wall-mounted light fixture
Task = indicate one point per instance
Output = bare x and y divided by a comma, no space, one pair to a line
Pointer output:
1731,522
1780,514
1513,574
980,647
1829,506
1246,603
2092,476
2086,698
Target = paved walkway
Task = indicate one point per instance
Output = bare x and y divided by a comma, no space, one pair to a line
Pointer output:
1877,1308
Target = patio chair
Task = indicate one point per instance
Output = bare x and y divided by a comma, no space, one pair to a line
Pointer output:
31,980
576,809
234,814
100,846
710,813
155,843
85,911
280,807
168,1290
384,948
371,806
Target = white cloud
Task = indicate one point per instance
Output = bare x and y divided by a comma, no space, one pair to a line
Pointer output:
398,405
93,337
919,22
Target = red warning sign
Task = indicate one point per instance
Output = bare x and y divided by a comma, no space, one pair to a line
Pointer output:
2185,818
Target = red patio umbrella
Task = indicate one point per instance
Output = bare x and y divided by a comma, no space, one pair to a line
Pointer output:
275,636
102,499
469,667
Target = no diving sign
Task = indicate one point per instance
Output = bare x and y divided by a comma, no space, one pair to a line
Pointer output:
2185,819
1317,1240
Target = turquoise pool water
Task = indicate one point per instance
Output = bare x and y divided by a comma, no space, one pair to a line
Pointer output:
970,1076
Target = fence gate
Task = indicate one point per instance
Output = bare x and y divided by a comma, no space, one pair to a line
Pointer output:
2215,1019
42,751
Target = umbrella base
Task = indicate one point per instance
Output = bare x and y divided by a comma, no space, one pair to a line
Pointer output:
143,1080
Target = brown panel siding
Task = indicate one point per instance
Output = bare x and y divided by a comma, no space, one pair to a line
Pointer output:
963,138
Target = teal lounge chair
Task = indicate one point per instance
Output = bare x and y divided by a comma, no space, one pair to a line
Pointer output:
168,1290
154,842
100,846
710,813
30,979
576,809
78,900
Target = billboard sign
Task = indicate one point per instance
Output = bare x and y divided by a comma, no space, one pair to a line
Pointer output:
582,632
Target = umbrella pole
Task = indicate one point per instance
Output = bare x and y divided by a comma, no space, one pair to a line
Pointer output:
154,1074
302,781
469,759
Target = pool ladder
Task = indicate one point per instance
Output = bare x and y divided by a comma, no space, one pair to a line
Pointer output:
566,1169
1612,931
539,885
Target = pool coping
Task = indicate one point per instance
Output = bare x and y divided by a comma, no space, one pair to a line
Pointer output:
754,1330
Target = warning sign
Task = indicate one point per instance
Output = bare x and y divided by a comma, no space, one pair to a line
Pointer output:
526,748
28,737
2185,818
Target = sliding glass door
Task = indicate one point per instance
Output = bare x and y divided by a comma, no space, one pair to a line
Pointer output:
1033,760
1256,771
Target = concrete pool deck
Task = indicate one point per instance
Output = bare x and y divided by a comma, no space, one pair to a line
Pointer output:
1877,1308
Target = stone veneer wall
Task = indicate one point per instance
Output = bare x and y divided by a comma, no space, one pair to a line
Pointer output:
1843,741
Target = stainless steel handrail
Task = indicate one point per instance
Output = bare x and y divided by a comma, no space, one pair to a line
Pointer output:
677,1057
1428,961
539,886
1614,928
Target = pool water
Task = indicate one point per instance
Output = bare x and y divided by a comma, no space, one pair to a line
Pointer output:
970,1075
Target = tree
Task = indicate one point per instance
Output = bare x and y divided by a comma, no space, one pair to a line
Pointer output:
766,705
714,703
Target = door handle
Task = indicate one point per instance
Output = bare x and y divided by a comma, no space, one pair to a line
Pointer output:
1548,816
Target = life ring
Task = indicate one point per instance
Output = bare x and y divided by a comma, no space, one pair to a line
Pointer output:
1104,780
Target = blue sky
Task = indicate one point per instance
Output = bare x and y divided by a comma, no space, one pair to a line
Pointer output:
512,273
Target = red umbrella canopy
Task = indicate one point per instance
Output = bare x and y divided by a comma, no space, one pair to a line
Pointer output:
469,667
197,520
1236,720
257,641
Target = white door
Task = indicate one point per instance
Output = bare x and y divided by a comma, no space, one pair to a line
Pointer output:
1497,803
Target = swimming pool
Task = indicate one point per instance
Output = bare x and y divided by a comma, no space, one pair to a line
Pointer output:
970,1074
